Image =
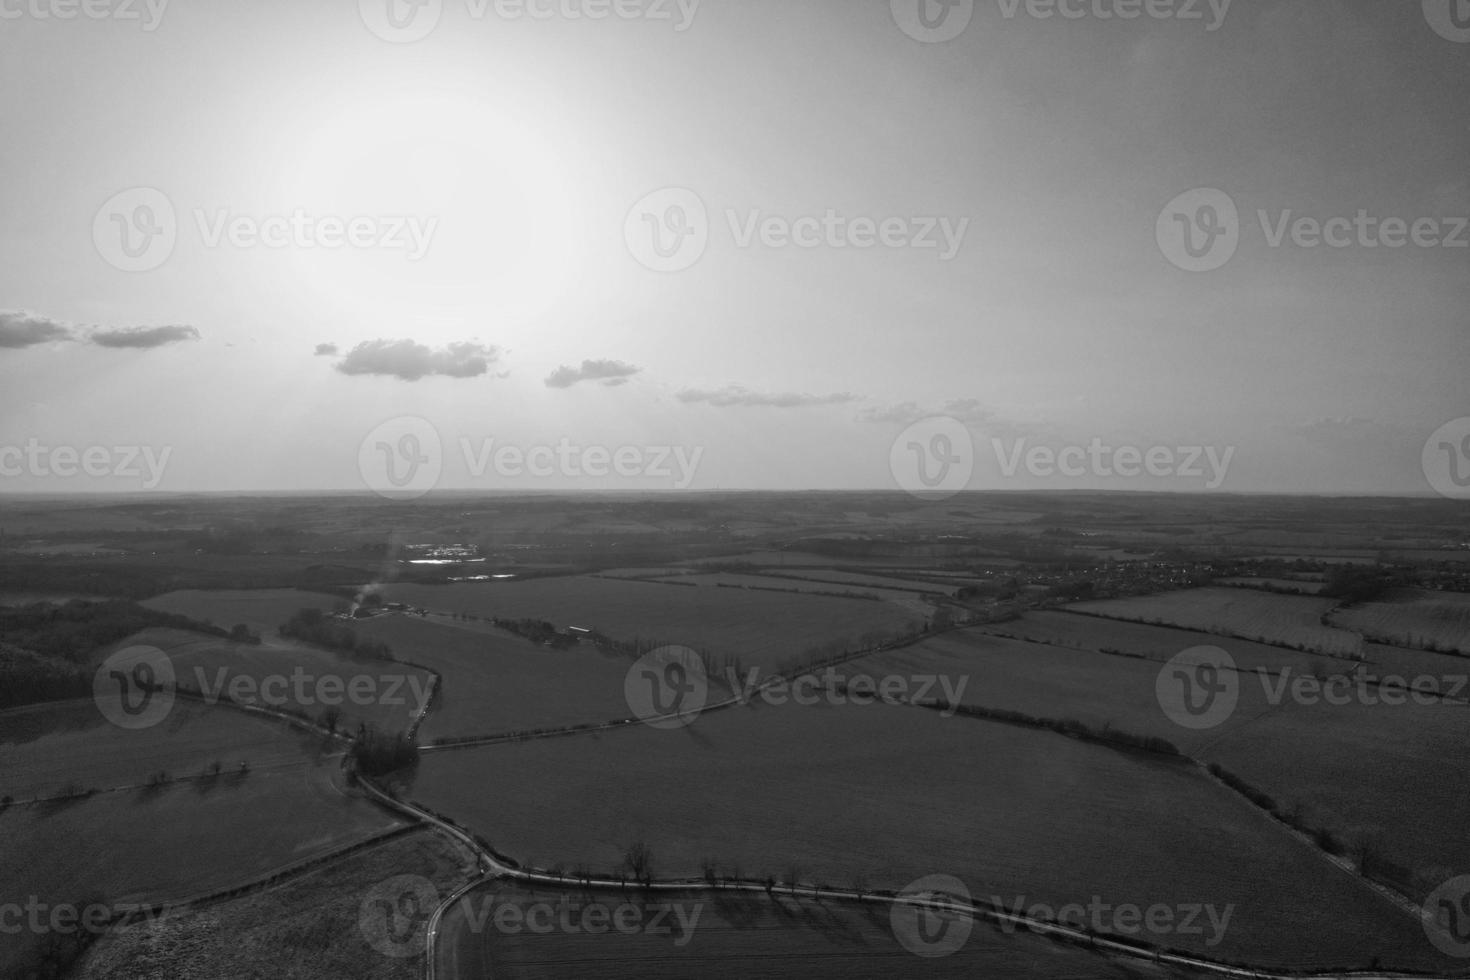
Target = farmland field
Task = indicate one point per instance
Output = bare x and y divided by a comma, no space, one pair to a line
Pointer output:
744,934
303,929
45,747
263,610
494,681
1391,774
1413,618
1076,631
908,600
878,581
889,793
180,841
766,628
1053,682
1292,621
199,660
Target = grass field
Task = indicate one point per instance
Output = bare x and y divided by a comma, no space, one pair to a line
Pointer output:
45,747
748,935
1293,621
889,793
762,628
390,695
906,600
306,928
181,841
1393,775
263,610
494,682
1076,631
1390,774
1413,618
1055,682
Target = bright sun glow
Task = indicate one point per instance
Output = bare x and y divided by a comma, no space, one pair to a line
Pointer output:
486,193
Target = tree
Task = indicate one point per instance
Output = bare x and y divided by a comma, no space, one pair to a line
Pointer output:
638,859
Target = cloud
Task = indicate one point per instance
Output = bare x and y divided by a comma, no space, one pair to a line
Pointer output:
968,410
1332,430
142,337
738,396
411,361
610,373
326,350
27,330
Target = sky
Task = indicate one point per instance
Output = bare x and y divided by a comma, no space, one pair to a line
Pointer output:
735,244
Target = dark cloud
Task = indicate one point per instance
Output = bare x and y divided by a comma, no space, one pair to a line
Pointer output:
326,350
143,337
411,361
610,373
27,330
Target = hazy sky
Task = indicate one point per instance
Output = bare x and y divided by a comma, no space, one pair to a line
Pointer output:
499,285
